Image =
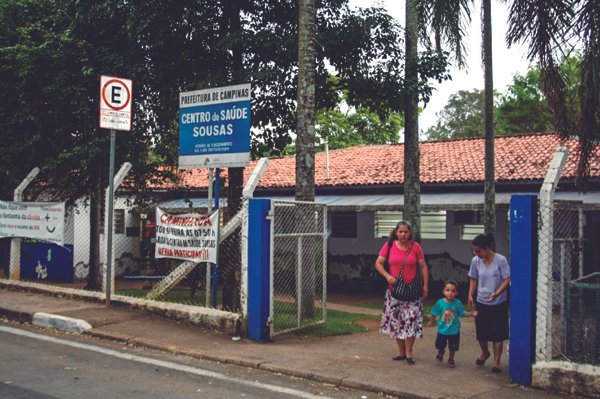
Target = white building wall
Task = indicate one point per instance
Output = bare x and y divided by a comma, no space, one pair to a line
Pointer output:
352,259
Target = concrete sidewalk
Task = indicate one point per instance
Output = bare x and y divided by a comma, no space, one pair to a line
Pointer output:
362,361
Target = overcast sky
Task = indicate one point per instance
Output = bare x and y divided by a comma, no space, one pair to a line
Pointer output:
507,62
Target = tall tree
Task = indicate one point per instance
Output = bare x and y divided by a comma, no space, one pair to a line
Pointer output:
305,144
489,208
305,120
412,182
551,29
52,55
461,117
444,20
523,108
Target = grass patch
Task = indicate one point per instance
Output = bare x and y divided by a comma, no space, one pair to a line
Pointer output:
370,305
339,323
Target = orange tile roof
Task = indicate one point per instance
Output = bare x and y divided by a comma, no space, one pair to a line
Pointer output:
520,158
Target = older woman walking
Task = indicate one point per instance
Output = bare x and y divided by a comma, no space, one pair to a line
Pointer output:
402,320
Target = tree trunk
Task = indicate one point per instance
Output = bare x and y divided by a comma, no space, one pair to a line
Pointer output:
489,214
231,266
94,282
305,114
305,143
412,184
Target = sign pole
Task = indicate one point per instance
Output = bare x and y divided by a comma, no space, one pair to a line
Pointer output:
208,285
109,228
115,114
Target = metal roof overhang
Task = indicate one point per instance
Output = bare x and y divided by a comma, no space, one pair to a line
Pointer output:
429,201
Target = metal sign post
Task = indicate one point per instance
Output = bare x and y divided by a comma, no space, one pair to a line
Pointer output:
109,226
115,114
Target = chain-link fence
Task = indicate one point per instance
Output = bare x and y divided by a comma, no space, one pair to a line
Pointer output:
68,265
187,282
583,319
81,262
298,265
561,262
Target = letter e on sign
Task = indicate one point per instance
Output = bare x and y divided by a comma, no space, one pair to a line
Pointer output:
115,103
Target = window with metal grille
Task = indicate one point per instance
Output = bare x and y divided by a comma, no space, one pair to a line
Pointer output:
470,222
343,224
470,231
433,224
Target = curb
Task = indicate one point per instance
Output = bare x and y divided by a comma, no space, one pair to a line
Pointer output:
23,317
63,323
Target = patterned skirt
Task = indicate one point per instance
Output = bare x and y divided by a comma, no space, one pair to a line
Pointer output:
401,319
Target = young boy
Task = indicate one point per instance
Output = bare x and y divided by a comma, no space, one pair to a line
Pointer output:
448,310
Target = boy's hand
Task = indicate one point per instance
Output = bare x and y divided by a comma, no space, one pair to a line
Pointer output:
475,313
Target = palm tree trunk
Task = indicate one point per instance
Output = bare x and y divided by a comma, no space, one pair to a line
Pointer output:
489,213
412,184
305,128
305,142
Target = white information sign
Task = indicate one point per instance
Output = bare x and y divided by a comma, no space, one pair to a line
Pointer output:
188,236
38,220
115,103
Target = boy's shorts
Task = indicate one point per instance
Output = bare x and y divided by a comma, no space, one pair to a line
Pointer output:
453,342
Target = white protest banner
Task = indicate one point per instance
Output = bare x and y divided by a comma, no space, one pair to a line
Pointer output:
38,220
188,236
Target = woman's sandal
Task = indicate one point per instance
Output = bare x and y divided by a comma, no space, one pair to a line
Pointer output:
451,363
496,370
410,361
481,362
399,357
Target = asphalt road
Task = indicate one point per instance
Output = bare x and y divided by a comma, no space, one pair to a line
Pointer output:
38,364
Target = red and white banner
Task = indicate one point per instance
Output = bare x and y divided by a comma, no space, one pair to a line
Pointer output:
188,236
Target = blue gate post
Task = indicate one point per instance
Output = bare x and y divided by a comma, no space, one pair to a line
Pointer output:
523,269
259,230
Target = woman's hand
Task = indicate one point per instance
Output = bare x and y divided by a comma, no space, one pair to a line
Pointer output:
470,302
391,280
492,297
425,292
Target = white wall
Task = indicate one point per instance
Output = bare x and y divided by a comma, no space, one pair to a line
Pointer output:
448,259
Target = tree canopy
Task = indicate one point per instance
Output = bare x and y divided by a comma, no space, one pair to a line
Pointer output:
52,53
522,108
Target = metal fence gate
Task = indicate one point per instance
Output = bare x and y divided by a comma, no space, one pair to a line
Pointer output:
298,266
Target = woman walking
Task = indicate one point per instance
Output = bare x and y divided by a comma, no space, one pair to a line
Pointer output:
489,276
402,320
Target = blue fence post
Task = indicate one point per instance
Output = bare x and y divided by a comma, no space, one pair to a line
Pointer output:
259,230
523,269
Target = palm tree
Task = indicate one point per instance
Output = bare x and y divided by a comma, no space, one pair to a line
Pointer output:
305,131
489,210
551,29
444,20
305,141
412,184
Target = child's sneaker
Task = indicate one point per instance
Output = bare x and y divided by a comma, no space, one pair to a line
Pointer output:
451,363
439,357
